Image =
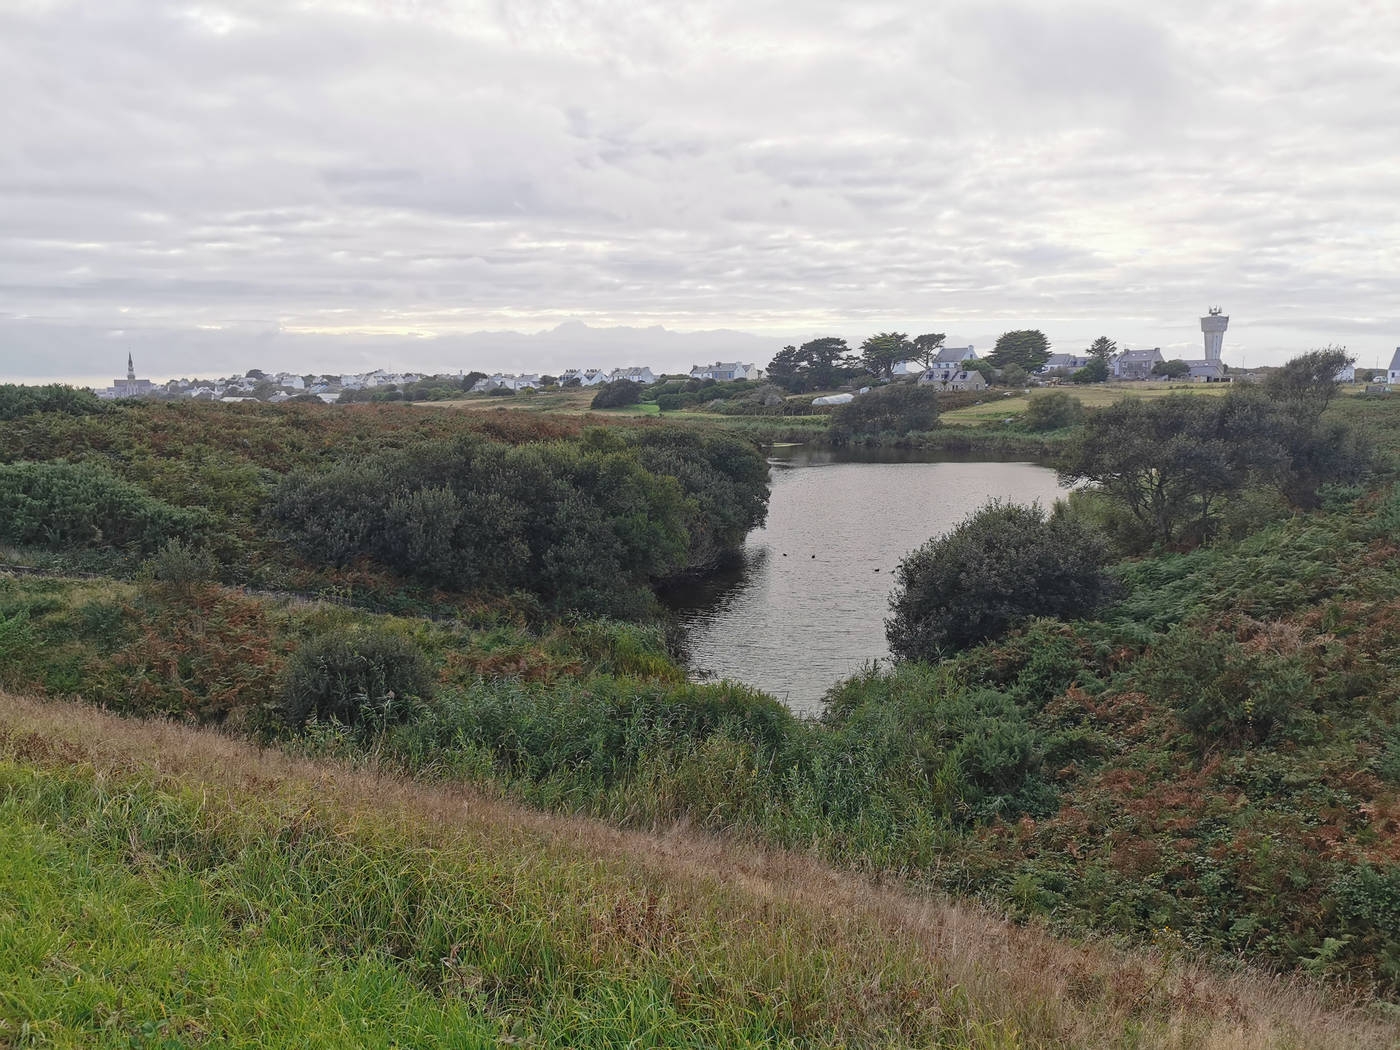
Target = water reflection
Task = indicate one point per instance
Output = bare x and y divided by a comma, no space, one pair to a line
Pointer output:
806,603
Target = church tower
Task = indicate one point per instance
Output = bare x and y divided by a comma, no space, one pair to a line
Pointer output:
1213,325
130,370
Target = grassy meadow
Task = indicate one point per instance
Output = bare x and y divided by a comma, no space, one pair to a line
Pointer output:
166,886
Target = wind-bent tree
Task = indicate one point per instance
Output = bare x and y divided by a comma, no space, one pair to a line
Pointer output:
881,352
927,348
1173,369
1026,347
815,365
1308,383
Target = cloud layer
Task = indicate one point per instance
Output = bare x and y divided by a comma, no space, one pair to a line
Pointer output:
407,169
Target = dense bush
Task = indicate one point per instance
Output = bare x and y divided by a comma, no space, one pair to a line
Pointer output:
1053,411
17,401
617,394
356,677
65,505
898,409
999,567
1224,693
585,525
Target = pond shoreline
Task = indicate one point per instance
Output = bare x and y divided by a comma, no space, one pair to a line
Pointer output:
803,605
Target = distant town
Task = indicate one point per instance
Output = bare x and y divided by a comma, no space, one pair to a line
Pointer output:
884,357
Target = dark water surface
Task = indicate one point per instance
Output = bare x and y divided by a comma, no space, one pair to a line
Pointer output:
807,605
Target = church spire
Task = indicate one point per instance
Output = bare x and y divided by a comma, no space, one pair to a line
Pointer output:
130,368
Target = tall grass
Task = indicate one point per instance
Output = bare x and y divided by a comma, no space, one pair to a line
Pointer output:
167,887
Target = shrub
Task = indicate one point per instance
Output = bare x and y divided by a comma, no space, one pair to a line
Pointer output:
500,391
898,409
617,394
18,401
1053,411
999,567
355,677
1222,692
61,505
182,565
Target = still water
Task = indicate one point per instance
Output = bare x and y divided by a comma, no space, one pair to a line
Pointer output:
806,606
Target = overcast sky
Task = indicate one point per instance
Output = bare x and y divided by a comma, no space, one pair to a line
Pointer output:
326,185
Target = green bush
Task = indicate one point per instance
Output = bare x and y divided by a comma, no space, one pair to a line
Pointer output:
359,678
1222,692
898,409
182,565
617,394
18,401
1053,411
1000,567
64,505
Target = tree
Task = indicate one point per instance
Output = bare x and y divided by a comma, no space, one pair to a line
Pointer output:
1096,371
880,353
1172,460
998,568
1308,383
785,367
1026,347
818,364
927,348
1103,348
1173,369
618,393
471,379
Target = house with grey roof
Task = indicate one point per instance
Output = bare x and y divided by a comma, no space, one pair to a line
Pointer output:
726,371
1392,375
950,377
1206,370
1064,363
636,375
948,355
1136,364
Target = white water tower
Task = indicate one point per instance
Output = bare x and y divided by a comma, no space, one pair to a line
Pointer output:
1214,325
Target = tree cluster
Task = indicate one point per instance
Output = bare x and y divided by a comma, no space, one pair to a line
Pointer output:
587,524
1173,462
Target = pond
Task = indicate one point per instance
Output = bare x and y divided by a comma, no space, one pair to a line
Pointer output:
806,604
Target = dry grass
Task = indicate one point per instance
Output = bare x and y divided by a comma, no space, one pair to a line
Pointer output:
884,954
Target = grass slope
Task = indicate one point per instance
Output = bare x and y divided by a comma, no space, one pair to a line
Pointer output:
166,887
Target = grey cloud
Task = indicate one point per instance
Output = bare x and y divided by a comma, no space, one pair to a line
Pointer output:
783,168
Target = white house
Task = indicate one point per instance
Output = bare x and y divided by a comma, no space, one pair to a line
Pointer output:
952,355
1345,374
1393,375
726,371
585,376
636,375
290,381
509,382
